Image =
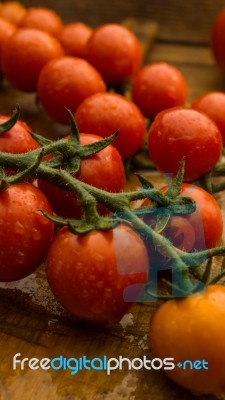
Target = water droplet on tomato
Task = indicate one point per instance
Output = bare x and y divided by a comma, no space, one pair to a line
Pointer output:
19,228
41,218
20,256
36,234
44,220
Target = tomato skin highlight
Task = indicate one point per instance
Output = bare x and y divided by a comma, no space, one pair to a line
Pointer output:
105,113
193,329
179,133
25,233
92,275
115,52
103,170
157,87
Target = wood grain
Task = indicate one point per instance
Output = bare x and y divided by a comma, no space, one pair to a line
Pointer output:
188,21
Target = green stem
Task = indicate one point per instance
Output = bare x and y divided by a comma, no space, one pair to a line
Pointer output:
159,296
180,292
181,262
196,258
206,275
117,202
164,244
5,126
217,278
66,181
196,272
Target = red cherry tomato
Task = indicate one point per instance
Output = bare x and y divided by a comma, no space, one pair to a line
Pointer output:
105,113
74,37
218,39
25,233
103,170
66,82
179,133
12,11
157,87
199,230
212,104
44,19
193,329
24,55
99,275
115,52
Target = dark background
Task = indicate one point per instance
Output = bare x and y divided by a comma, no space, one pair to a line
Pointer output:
180,20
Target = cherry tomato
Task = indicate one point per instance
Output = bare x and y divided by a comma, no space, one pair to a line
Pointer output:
99,275
105,113
16,140
24,54
103,170
115,52
42,18
12,11
157,87
218,39
74,37
25,233
200,230
212,104
7,28
179,133
66,82
193,329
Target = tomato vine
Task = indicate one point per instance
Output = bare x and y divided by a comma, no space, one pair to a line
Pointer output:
66,161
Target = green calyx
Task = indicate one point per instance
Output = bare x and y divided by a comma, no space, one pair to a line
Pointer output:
5,126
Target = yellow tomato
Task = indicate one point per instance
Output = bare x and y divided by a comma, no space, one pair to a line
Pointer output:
192,331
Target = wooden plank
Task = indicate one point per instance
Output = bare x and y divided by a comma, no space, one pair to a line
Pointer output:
183,54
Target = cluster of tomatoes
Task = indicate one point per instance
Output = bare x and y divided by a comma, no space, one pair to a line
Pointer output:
98,275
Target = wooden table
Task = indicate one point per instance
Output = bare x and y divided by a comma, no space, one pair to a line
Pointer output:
31,321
